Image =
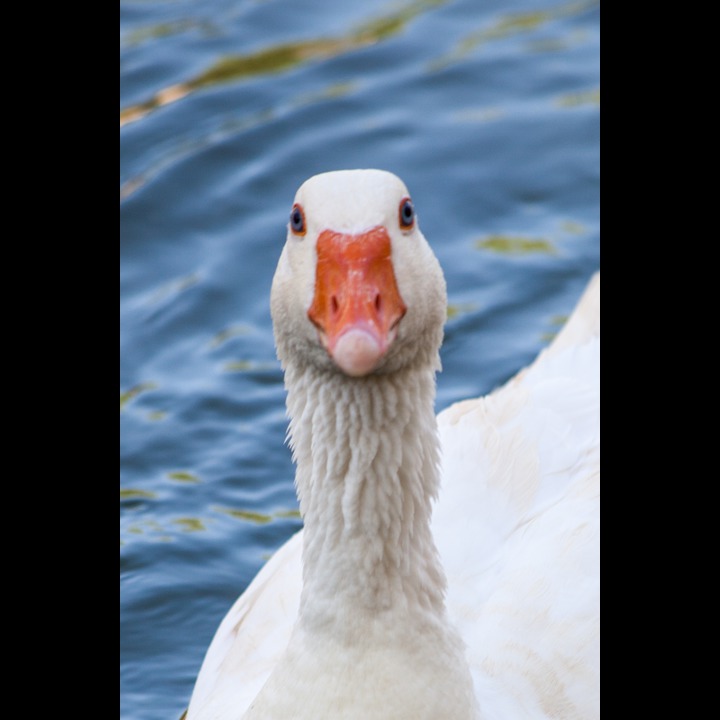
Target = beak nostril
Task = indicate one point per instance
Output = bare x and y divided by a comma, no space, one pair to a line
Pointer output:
334,307
378,303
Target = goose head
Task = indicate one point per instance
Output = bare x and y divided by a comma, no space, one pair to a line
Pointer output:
357,288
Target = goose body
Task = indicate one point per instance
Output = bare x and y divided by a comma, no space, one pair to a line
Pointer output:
448,567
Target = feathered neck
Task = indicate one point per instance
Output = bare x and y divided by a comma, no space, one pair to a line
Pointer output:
371,639
367,471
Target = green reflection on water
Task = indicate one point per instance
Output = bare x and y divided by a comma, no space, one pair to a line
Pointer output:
585,97
238,366
160,30
173,287
249,515
188,524
331,92
573,227
149,527
182,476
283,57
153,530
557,321
135,493
156,531
228,334
256,517
511,25
515,245
249,366
229,127
134,391
292,514
455,309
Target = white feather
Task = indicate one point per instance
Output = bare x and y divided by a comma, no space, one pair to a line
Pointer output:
516,525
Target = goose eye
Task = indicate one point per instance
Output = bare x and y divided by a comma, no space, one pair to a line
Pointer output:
407,214
297,220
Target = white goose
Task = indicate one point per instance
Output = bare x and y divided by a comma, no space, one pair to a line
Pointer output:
353,617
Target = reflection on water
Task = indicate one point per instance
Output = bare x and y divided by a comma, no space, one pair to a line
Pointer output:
185,477
589,97
135,493
282,57
510,245
228,334
286,56
257,517
164,29
187,524
456,309
134,391
517,23
228,128
156,531
172,288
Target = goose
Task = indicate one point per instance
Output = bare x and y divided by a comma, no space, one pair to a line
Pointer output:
448,567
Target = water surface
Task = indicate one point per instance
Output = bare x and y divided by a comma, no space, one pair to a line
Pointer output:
490,114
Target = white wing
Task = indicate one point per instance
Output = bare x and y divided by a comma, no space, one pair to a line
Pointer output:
251,638
517,526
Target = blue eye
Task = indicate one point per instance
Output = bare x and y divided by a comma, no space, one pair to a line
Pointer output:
407,214
297,220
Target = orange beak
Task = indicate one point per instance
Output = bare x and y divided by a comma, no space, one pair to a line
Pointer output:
357,305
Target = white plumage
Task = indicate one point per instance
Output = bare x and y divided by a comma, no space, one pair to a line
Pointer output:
362,622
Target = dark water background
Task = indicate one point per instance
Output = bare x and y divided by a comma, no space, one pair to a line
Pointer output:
489,111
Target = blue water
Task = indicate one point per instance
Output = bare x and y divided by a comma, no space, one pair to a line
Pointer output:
490,113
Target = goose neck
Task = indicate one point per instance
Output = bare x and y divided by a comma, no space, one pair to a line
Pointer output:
367,472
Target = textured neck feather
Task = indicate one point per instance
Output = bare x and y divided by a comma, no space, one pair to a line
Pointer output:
371,638
367,471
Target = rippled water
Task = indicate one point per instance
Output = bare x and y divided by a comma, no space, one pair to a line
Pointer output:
489,112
